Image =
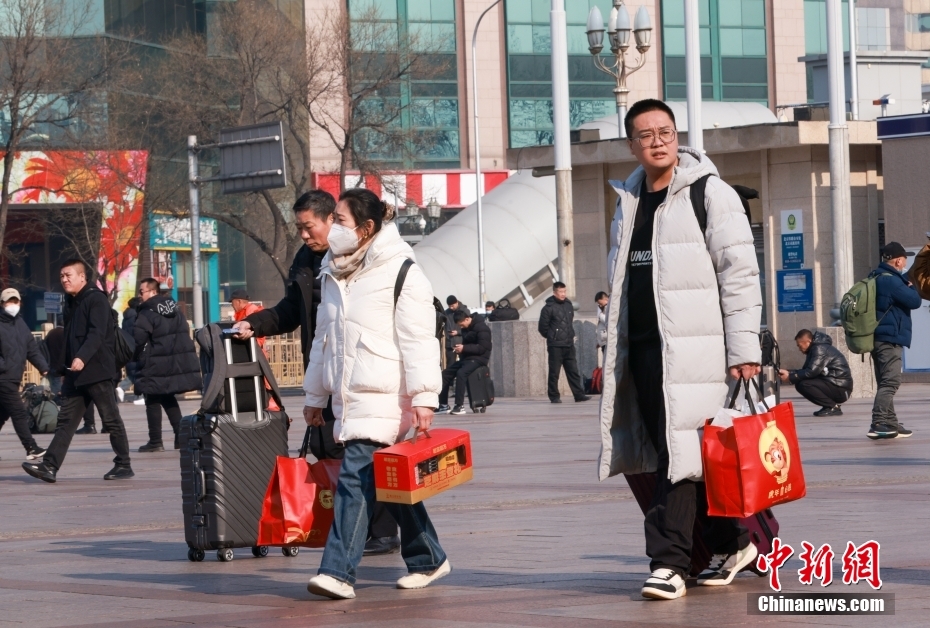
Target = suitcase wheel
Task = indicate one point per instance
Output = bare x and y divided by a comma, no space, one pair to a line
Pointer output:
195,555
290,552
225,555
260,551
484,409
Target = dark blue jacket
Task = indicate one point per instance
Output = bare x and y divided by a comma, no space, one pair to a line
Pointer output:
894,300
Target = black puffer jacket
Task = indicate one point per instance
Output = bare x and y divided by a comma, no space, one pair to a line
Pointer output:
824,360
167,360
298,307
89,333
556,323
476,341
16,346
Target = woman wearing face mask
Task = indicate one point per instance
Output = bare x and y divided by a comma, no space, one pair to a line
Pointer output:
17,344
380,363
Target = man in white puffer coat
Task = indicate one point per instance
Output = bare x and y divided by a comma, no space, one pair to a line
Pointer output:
378,358
684,313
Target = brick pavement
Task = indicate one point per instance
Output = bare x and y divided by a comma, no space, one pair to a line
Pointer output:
535,540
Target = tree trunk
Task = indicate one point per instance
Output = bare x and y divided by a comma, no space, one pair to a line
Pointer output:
8,158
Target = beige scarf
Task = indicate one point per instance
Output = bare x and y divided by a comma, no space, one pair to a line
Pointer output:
344,266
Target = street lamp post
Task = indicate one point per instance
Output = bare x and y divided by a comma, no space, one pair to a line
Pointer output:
478,180
618,34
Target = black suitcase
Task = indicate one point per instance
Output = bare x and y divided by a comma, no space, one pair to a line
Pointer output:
228,449
480,389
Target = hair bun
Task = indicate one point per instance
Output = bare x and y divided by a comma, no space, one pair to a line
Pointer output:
387,212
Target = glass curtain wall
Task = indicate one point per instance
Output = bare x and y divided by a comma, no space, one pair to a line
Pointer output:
529,70
733,50
429,100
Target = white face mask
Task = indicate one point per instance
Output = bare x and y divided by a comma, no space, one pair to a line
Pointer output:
11,309
342,240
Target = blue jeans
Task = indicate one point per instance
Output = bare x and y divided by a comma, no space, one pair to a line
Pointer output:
355,499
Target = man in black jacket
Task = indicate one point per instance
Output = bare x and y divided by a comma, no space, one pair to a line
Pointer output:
825,378
17,345
452,330
313,215
474,352
556,325
167,361
90,360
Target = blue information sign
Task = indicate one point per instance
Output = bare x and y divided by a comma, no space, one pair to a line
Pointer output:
792,250
795,290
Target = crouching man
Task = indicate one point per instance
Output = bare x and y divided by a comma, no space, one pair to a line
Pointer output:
684,314
825,378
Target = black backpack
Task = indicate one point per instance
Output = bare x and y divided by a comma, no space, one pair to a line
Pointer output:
697,200
771,355
124,345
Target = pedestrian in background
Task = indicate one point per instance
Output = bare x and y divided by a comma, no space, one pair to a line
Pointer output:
825,378
17,344
557,326
474,352
91,363
895,297
453,333
168,362
601,299
383,377
488,310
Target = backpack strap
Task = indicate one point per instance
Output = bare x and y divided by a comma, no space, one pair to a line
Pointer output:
697,201
401,278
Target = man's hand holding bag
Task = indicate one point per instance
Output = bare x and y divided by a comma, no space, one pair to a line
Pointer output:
753,464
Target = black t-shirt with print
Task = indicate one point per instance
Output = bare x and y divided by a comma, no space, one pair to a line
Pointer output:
644,326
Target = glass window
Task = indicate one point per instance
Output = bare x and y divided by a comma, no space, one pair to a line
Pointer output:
519,12
753,13
520,38
542,43
541,10
731,12
815,26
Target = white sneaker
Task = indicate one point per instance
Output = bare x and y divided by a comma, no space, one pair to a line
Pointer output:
330,587
139,402
724,567
664,584
120,394
420,580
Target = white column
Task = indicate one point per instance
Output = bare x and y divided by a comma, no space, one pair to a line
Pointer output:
194,195
693,74
839,157
562,147
853,67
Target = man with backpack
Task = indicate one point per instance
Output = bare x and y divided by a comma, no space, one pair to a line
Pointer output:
90,359
684,314
17,345
895,297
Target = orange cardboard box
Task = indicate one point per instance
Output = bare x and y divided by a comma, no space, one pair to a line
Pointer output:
409,472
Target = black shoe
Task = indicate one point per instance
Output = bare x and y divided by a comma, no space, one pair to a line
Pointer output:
881,430
177,441
443,408
825,411
556,400
585,398
40,470
119,473
104,430
382,545
458,410
34,453
87,429
903,432
150,446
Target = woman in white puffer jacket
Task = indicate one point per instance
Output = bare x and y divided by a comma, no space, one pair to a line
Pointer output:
379,360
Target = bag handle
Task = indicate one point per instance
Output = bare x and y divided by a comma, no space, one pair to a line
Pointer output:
416,433
305,445
744,384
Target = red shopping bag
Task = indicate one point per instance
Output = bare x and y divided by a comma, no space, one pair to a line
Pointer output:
298,506
755,464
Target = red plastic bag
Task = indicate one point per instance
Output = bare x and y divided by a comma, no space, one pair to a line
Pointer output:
298,506
597,381
753,465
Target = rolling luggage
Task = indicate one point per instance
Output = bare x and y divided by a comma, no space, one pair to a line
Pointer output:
480,389
763,527
229,448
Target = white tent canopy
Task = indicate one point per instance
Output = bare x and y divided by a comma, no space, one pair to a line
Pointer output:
519,240
714,115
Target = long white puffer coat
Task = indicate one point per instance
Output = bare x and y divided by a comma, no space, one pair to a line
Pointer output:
378,362
709,307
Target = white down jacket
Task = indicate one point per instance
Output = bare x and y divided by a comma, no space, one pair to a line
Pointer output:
378,362
709,307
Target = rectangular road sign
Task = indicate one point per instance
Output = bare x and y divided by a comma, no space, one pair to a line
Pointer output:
252,158
52,302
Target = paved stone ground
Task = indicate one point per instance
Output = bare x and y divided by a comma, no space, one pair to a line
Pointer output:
535,539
